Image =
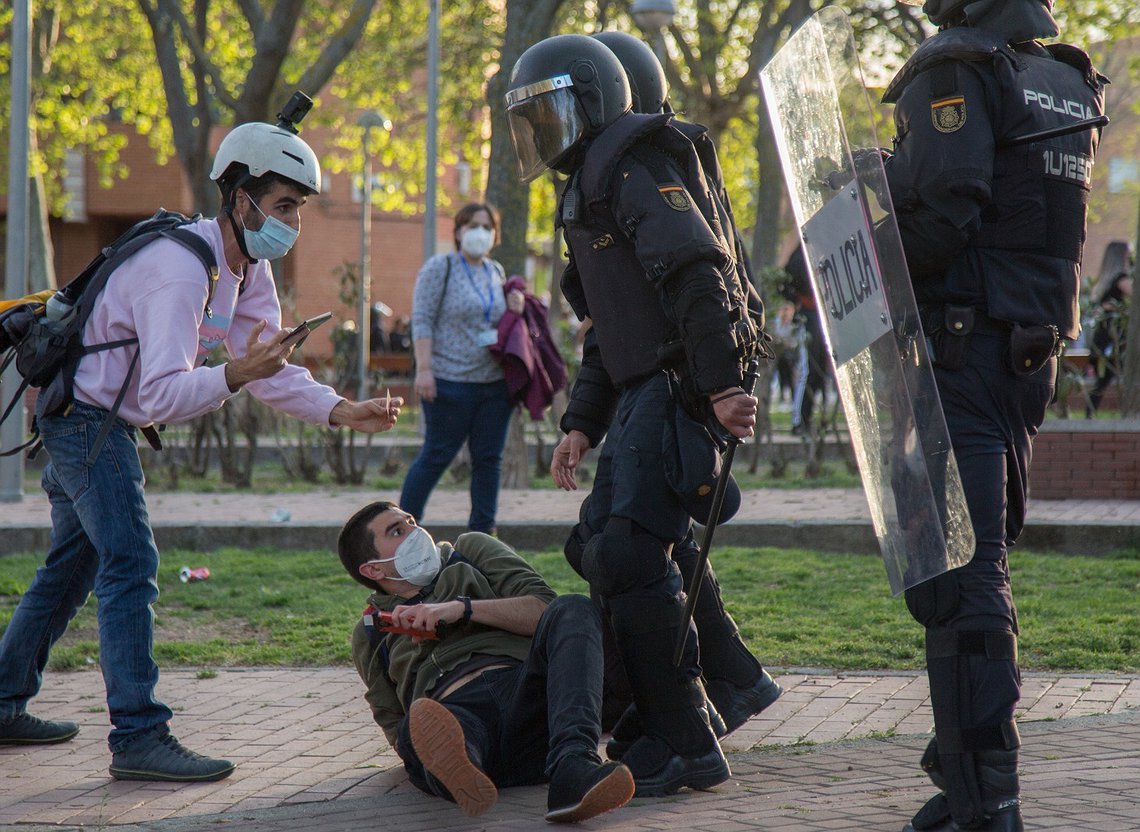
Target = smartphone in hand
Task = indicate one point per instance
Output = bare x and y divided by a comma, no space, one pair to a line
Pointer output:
301,331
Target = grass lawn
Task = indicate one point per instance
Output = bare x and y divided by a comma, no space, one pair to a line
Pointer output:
796,609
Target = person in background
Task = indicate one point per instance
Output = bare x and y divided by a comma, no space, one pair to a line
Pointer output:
1113,295
456,306
783,331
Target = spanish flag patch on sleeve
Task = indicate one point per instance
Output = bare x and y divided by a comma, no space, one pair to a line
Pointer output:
948,114
675,197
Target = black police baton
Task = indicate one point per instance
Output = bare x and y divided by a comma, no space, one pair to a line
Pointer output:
1056,132
751,373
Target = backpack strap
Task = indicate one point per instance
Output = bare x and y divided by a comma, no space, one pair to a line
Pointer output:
205,254
107,423
201,249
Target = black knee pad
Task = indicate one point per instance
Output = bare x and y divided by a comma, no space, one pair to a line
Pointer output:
624,556
935,600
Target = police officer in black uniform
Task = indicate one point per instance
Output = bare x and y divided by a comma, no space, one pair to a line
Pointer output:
651,265
735,682
992,223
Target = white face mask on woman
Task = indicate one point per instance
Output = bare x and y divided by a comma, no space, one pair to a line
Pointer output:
417,558
476,242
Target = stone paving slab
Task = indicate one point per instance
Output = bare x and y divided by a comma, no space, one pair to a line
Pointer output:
837,751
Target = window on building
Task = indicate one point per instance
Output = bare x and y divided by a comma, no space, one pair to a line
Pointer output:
1123,174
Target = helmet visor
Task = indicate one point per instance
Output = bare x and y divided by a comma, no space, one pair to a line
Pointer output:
545,120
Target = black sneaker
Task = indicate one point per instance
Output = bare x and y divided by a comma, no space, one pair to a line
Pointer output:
157,755
582,788
25,729
736,704
628,730
438,740
658,770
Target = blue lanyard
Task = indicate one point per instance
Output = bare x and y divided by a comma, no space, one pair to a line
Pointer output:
488,302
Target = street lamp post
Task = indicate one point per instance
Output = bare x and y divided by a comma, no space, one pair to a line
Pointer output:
16,248
430,185
654,16
367,120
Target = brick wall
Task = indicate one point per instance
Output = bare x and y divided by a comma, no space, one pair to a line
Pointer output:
1083,459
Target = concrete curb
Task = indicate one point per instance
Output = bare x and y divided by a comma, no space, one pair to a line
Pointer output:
1092,538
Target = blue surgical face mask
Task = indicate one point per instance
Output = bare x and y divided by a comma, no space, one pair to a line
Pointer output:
270,242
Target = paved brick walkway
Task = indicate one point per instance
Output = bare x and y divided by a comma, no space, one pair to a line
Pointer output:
836,752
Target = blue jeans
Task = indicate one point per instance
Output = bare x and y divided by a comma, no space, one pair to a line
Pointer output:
101,539
479,413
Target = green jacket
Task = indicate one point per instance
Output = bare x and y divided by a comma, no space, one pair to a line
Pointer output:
404,672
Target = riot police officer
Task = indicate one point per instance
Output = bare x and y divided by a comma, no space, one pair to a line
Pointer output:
736,684
992,223
651,265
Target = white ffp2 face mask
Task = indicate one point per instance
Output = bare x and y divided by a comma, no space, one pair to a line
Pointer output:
476,241
417,558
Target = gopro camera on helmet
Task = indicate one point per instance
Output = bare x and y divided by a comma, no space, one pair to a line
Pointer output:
294,112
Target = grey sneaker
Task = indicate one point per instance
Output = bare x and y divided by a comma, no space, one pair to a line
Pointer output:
157,755
25,729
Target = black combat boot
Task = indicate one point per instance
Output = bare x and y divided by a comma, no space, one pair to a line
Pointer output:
998,784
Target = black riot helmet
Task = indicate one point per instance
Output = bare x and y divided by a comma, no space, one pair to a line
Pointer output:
564,90
647,82
1031,13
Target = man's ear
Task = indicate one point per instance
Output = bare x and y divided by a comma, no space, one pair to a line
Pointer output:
370,571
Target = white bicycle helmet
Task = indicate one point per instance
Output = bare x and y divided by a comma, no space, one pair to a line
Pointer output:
264,148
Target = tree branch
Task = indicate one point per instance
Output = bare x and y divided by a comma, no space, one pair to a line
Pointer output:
204,66
272,40
340,44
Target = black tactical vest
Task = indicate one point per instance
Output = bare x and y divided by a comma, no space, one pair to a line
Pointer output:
1027,253
606,279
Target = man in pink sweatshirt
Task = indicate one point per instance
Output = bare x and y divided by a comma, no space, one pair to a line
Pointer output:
101,535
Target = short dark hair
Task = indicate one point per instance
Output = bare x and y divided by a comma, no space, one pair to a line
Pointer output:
357,545
237,177
468,211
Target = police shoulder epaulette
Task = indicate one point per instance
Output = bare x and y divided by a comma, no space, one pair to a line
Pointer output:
608,148
960,43
1079,59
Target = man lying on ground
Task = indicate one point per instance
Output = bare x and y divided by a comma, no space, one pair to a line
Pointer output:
495,680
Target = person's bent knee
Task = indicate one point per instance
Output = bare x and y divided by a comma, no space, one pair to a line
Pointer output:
624,556
935,600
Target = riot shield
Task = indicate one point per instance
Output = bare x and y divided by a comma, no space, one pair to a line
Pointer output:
824,129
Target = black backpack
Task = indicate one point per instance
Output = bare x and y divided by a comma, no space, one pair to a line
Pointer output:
47,351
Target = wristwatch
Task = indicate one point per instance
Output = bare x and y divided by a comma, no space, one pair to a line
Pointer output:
466,608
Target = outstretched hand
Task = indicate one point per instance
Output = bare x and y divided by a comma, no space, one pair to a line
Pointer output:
370,416
564,463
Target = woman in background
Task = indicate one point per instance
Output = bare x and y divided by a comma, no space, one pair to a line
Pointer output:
456,306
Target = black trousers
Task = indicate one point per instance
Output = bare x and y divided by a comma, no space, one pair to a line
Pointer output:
521,722
993,415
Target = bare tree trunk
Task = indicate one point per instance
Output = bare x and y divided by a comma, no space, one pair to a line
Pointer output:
770,195
516,470
1130,377
528,21
41,262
